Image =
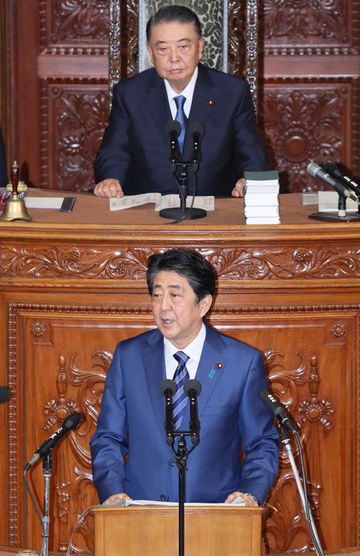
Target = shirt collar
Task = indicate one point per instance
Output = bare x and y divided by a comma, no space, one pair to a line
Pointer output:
193,350
188,92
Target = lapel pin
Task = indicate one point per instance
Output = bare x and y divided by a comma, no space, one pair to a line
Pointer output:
210,102
212,373
219,365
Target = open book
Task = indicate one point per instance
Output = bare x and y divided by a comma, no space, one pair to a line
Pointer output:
160,201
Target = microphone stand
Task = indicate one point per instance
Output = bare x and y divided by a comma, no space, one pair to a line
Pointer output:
181,454
180,213
45,519
285,439
342,215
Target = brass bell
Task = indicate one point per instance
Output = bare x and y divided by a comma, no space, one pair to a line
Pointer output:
15,208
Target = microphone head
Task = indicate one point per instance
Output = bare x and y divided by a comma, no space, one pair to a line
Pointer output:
335,171
173,126
196,127
330,167
72,420
313,168
192,385
166,385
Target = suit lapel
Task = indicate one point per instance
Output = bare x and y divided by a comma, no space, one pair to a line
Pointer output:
157,103
211,366
201,106
154,368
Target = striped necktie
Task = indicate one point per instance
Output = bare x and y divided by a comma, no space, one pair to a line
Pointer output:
180,399
181,118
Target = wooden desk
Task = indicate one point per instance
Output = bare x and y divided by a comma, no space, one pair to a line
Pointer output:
72,285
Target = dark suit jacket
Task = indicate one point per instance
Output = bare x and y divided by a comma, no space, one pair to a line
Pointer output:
3,169
129,449
135,147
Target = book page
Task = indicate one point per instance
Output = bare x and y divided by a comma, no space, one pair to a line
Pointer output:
160,201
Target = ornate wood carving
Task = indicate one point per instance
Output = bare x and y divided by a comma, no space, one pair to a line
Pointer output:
313,409
305,122
287,384
73,128
331,28
236,46
251,263
74,27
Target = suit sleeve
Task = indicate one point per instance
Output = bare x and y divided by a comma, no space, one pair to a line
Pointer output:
248,143
109,444
112,159
259,436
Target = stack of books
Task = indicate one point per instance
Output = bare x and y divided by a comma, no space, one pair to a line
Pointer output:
261,197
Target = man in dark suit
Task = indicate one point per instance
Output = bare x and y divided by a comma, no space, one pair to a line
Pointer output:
134,155
237,456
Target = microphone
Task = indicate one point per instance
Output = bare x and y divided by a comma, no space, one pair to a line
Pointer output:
173,129
278,410
193,389
69,423
4,394
197,130
316,171
168,388
336,172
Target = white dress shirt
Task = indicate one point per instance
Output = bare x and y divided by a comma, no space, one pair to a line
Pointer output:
193,351
188,93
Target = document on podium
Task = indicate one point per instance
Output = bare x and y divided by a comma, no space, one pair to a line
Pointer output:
127,503
161,201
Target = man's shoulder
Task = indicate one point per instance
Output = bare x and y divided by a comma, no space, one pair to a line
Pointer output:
231,343
137,81
140,340
221,78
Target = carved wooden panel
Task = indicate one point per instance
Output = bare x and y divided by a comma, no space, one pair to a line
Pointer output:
58,375
73,128
62,264
69,25
58,359
303,41
310,371
312,28
308,121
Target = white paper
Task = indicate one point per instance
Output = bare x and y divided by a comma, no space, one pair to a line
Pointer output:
262,220
126,503
129,201
328,202
43,202
309,198
160,201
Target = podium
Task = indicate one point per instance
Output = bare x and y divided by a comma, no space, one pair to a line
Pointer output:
210,530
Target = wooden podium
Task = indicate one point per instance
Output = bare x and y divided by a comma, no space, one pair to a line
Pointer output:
153,530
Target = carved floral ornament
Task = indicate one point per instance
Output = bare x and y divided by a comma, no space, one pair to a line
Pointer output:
38,329
318,262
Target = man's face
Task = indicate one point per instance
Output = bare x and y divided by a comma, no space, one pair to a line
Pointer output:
177,313
175,50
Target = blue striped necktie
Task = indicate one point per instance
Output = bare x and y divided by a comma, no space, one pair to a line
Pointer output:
180,399
181,118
